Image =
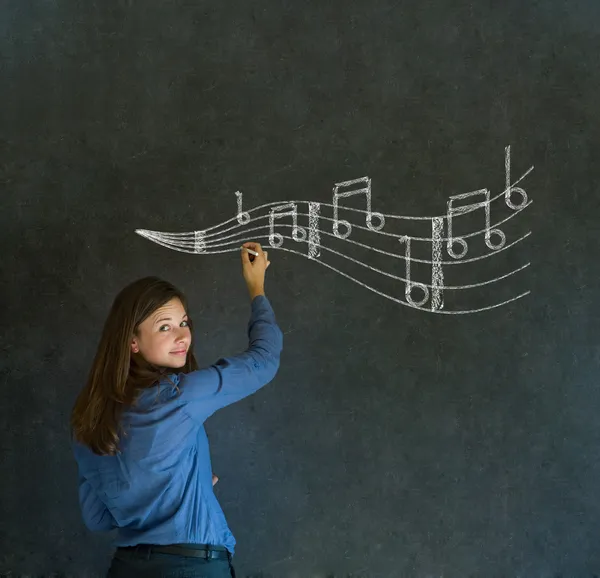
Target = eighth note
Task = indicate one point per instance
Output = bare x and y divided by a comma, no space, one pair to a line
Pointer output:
467,209
298,233
367,190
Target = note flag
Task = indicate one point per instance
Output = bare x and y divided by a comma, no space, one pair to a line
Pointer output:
367,191
461,210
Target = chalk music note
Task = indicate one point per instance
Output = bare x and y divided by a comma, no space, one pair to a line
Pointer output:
298,233
243,218
452,211
367,191
437,274
509,190
435,296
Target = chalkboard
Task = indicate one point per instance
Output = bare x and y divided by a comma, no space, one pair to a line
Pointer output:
432,416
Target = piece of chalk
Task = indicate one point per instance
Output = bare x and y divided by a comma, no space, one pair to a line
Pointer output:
250,251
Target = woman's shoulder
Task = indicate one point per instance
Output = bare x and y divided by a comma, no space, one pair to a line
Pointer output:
168,387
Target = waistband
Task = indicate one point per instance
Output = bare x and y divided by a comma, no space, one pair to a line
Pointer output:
206,551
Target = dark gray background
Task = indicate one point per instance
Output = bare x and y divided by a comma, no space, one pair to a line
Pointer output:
393,442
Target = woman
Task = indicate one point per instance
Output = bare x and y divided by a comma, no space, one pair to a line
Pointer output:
138,433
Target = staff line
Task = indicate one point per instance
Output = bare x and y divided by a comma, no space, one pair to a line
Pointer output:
375,269
193,244
381,293
398,278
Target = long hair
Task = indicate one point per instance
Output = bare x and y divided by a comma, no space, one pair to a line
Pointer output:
117,375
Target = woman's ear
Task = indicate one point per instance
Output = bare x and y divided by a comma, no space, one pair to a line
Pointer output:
135,347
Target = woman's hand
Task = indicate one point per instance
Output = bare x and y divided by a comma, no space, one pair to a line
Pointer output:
253,268
215,479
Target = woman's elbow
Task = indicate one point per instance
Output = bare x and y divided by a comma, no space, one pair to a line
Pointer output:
270,369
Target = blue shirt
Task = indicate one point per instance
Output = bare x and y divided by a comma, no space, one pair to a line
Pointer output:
159,489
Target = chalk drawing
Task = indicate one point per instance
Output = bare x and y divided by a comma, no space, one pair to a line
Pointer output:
345,194
452,211
243,218
437,274
430,296
287,210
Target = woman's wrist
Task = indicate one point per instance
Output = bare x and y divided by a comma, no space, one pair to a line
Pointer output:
256,291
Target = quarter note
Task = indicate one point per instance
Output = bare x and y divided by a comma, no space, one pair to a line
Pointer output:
408,287
437,273
508,191
243,218
367,191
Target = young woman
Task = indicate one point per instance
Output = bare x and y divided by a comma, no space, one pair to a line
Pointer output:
138,433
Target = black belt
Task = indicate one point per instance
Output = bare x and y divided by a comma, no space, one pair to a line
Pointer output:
206,551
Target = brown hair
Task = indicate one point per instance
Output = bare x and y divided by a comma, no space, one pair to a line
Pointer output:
117,376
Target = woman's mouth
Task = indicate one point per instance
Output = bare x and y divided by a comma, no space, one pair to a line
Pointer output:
180,352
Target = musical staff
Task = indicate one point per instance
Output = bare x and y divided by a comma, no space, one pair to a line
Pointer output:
307,222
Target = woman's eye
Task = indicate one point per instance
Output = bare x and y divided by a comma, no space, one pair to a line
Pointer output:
163,327
185,323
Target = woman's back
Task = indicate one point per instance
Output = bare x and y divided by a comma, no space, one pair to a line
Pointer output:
158,489
138,427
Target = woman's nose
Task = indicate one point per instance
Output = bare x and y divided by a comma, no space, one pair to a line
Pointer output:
182,334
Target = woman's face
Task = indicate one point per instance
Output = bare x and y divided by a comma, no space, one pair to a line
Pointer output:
164,337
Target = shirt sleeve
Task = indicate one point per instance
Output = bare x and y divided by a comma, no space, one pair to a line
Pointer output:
96,515
232,378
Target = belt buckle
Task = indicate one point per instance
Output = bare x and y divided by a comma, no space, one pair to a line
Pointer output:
206,551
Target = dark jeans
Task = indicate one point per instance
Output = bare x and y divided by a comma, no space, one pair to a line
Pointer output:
133,564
